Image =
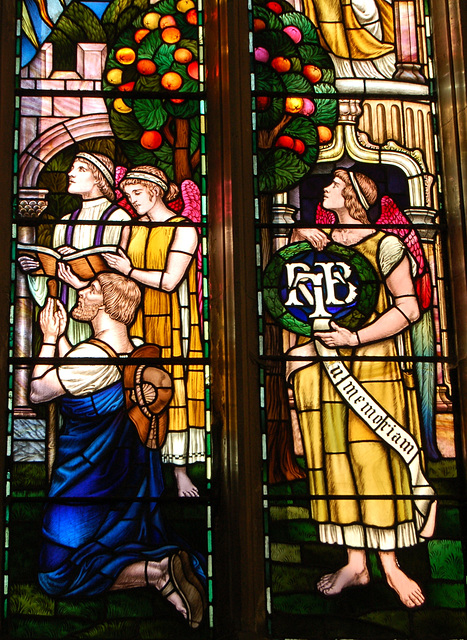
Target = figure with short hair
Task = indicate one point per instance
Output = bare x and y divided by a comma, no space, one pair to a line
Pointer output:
91,176
102,525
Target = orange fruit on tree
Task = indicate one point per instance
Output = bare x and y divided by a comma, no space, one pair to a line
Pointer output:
151,140
151,20
140,34
171,35
293,104
125,55
191,16
171,81
146,67
183,55
167,21
281,64
324,134
312,72
177,100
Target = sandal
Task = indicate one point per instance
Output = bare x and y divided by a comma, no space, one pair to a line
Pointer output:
183,581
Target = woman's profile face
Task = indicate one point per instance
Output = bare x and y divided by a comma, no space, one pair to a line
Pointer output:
140,198
333,198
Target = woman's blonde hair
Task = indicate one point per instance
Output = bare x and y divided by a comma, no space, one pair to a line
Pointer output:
352,201
168,194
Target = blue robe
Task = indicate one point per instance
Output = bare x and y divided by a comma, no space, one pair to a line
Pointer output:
102,513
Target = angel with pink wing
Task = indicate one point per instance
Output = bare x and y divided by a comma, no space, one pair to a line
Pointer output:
364,493
162,255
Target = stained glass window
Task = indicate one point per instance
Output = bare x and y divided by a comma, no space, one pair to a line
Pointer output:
307,305
109,474
361,502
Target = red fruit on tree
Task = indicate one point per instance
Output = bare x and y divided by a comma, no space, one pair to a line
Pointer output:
275,7
151,140
129,86
285,141
299,146
193,70
191,16
262,103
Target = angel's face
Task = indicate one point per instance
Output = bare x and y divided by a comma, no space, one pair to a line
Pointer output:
140,197
333,198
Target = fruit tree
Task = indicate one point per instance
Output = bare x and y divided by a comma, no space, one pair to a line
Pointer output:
296,104
152,71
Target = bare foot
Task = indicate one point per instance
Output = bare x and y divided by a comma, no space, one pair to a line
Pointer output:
186,489
333,583
158,576
407,589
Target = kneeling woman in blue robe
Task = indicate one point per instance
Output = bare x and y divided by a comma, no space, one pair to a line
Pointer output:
102,527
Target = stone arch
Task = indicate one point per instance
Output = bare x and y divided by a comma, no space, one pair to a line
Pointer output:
54,140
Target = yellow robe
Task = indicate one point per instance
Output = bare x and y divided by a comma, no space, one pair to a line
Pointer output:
361,490
341,33
159,321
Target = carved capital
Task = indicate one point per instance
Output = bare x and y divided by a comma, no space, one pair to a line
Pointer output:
31,202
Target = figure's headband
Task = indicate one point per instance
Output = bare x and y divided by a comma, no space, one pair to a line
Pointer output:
361,198
148,177
98,164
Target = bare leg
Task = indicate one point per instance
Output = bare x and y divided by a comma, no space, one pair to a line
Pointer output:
134,576
186,488
429,527
353,574
407,589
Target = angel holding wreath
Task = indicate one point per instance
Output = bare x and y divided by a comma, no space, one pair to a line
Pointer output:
364,495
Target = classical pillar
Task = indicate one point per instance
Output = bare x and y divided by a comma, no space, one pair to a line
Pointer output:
408,67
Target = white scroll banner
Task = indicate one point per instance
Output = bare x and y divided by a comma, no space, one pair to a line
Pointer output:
376,418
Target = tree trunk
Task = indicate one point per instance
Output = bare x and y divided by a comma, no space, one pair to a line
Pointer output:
182,162
282,464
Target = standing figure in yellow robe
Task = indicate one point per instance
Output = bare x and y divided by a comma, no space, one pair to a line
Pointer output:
362,493
160,257
359,35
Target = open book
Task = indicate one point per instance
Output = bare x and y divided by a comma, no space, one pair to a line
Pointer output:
86,263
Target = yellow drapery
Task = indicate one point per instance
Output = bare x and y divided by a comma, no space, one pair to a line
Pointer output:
341,33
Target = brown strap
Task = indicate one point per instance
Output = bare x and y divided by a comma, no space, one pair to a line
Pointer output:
107,348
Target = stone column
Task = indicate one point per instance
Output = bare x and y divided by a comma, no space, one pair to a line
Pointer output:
32,202
408,67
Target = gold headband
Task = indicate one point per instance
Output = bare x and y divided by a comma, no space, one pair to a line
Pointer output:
147,177
360,197
98,164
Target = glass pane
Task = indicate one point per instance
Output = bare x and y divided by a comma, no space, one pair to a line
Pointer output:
109,446
362,492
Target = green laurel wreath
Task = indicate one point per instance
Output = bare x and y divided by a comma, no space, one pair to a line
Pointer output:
367,295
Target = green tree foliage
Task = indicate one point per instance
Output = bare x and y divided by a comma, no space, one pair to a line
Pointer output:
152,71
296,105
